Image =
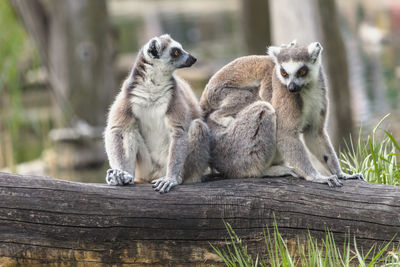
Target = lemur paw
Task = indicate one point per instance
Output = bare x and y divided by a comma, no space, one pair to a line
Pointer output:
332,181
164,184
345,176
118,177
293,173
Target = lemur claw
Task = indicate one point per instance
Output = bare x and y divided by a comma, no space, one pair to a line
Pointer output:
164,184
333,181
118,177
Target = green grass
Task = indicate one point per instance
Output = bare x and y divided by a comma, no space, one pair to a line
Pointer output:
313,252
375,159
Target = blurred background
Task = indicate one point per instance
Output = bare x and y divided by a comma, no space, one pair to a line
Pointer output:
62,63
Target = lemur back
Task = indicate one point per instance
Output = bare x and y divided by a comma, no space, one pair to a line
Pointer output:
154,127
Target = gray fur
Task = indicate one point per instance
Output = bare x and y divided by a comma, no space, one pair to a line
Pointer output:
259,132
240,149
154,126
299,54
118,177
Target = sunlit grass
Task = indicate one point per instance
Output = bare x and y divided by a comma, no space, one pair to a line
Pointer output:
375,159
313,252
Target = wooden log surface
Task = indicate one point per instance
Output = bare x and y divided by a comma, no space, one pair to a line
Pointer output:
45,221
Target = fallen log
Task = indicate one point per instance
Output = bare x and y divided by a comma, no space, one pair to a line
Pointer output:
48,221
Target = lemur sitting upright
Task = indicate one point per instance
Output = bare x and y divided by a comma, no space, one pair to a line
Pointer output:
264,111
154,129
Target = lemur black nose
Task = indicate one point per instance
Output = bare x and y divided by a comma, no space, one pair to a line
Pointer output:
292,87
192,59
189,61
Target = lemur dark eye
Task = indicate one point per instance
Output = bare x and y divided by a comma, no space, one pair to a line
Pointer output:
302,71
175,52
284,73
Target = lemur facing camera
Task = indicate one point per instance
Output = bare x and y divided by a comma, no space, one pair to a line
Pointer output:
154,129
265,112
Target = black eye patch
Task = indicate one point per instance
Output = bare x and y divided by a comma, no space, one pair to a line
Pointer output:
302,71
175,52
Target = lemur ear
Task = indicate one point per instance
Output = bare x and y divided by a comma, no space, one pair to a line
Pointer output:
274,51
165,36
154,49
314,50
292,43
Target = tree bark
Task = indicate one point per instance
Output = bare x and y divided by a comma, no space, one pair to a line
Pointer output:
338,73
49,221
256,26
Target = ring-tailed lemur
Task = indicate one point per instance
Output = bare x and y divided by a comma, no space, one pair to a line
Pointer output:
264,111
154,127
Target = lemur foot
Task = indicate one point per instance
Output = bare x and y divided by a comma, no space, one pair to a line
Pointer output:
118,177
357,176
332,181
164,184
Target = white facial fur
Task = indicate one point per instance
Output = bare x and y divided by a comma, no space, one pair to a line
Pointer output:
164,60
274,52
315,50
292,67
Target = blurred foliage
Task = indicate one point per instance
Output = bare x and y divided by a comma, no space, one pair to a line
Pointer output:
12,41
390,59
16,126
123,29
214,37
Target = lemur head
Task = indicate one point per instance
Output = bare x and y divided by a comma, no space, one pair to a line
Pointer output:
167,52
297,66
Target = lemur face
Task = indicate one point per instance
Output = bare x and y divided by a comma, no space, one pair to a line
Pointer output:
297,66
166,51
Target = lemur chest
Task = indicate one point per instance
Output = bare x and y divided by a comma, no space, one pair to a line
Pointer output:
312,106
150,111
